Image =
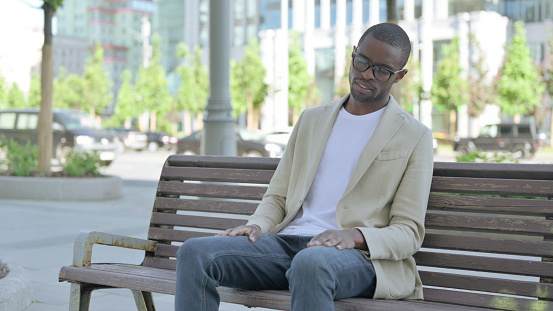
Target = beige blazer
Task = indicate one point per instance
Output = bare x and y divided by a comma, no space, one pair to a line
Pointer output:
386,196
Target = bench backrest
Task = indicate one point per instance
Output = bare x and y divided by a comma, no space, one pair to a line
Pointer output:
489,240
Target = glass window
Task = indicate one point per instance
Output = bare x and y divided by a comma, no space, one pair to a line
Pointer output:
27,121
506,131
78,120
7,120
489,131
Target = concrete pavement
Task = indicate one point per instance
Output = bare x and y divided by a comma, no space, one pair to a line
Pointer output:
39,235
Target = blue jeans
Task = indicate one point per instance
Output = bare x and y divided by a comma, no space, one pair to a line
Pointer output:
316,276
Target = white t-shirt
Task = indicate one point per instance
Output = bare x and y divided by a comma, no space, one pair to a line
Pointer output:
347,139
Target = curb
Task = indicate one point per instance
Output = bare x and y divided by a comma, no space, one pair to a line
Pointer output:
15,289
59,188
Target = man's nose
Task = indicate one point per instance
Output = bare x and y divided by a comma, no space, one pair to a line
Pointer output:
369,73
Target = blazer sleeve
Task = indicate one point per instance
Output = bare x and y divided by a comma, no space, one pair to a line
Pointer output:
405,233
272,209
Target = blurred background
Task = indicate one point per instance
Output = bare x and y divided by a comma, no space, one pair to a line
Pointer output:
140,67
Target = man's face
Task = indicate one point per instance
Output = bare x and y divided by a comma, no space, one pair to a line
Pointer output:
364,86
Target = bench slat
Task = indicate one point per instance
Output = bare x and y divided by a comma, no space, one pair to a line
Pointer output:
160,234
511,206
510,187
217,174
223,162
494,170
489,224
485,264
161,263
216,223
211,190
213,206
485,300
483,284
488,245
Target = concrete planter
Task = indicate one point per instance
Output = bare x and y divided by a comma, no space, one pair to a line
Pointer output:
60,188
15,290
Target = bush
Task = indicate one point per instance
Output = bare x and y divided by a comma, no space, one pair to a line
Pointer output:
481,156
82,164
20,160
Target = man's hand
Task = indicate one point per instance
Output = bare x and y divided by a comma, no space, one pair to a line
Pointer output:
341,239
253,231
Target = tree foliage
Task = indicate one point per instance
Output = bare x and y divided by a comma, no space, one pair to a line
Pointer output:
126,105
449,88
481,87
151,83
411,86
302,90
247,81
34,97
519,88
96,83
69,91
342,87
547,68
15,98
192,92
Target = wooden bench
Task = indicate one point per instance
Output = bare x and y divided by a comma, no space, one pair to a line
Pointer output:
489,241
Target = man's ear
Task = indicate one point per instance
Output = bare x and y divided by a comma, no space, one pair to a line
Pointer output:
400,75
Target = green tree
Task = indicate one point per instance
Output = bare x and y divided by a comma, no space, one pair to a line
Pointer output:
152,86
342,87
547,75
481,89
45,137
125,107
411,86
96,83
302,90
69,91
192,93
520,89
449,88
3,92
248,87
34,97
15,98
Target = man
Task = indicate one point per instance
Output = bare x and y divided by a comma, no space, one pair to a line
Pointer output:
344,211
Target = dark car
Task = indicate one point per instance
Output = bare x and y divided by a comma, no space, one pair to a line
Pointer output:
132,138
249,144
72,130
519,139
160,140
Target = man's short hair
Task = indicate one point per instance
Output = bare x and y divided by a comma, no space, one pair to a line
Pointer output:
393,35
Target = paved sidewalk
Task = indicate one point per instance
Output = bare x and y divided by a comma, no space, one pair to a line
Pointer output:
39,235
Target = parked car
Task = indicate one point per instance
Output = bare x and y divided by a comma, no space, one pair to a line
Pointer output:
249,143
157,140
72,130
132,138
520,139
280,136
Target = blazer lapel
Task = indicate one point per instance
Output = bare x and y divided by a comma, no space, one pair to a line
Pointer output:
389,124
322,131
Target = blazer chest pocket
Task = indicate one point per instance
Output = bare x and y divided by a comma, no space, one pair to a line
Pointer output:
392,155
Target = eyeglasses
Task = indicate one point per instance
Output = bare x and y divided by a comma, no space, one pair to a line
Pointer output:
380,73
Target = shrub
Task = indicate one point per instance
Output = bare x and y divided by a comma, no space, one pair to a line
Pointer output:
20,160
79,164
481,156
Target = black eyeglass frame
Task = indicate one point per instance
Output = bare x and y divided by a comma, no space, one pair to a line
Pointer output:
370,65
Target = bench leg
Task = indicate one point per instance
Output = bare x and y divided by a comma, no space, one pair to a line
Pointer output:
79,299
144,300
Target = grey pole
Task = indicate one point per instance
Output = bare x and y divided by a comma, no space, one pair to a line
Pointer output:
219,137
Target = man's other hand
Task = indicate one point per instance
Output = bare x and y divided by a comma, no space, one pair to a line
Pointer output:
341,239
253,231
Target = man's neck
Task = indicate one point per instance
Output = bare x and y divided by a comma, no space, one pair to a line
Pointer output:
359,108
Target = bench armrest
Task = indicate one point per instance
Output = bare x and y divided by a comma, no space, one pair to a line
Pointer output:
82,250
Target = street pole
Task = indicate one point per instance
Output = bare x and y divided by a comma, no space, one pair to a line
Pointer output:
219,137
